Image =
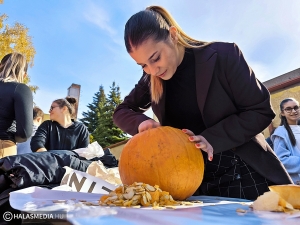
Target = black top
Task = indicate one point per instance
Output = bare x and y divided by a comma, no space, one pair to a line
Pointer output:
15,111
52,136
182,109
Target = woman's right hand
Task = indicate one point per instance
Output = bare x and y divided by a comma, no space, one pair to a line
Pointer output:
148,124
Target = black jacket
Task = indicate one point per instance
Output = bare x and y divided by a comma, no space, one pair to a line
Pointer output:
52,136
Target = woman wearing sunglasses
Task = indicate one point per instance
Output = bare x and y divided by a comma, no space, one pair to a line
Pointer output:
286,138
15,104
61,132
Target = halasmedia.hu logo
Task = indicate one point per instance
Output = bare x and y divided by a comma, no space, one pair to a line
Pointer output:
8,216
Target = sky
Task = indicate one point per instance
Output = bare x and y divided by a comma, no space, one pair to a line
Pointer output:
81,41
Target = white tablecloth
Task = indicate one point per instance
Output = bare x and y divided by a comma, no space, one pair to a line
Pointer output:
213,211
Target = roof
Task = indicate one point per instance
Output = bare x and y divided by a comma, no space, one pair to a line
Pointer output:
117,144
282,81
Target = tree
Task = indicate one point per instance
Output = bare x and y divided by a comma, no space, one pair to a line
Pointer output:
90,118
16,39
99,120
113,133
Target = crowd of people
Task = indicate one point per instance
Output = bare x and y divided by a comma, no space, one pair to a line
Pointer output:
206,89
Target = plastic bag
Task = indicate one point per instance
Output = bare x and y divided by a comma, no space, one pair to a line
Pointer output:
93,150
110,175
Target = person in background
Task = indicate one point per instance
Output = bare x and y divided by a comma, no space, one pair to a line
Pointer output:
268,139
24,147
286,138
209,91
16,104
61,132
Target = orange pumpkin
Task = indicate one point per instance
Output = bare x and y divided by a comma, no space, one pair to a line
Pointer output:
163,156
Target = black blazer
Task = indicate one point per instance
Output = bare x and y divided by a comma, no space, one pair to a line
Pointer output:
235,108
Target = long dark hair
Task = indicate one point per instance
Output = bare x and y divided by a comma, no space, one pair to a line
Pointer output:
155,22
284,122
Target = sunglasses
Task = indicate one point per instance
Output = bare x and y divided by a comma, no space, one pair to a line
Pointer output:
52,107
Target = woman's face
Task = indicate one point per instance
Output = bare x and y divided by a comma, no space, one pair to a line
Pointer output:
159,59
55,111
291,112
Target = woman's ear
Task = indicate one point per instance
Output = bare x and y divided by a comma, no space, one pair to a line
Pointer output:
173,34
65,109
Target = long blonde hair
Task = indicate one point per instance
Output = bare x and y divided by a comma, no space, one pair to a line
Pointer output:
13,66
155,22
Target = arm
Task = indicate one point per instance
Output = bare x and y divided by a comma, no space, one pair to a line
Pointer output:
252,102
290,162
129,114
84,138
23,104
39,139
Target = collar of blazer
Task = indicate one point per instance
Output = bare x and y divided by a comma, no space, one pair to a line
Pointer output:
205,59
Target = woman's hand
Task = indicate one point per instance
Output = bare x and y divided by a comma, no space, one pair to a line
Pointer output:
41,150
200,142
148,124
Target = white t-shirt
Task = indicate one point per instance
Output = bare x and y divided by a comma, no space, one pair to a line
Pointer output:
296,130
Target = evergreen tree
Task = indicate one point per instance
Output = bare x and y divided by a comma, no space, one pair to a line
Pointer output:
90,118
113,133
107,133
98,118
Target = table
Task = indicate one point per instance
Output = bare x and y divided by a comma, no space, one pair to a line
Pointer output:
214,210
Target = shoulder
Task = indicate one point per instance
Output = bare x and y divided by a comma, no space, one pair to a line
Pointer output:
78,124
280,132
21,87
222,49
80,128
219,46
22,91
280,129
46,123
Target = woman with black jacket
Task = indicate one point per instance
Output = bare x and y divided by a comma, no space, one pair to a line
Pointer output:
16,104
209,91
61,132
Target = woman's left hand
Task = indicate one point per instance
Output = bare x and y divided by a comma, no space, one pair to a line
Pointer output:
200,142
